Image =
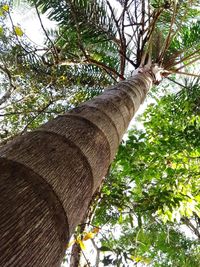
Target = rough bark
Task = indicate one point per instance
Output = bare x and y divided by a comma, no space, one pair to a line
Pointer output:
48,176
75,255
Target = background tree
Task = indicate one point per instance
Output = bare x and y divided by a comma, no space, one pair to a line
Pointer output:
34,90
153,188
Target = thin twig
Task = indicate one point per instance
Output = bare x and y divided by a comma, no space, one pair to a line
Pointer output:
105,67
189,63
123,41
184,73
41,111
7,95
184,58
86,55
45,32
98,253
168,41
176,82
87,261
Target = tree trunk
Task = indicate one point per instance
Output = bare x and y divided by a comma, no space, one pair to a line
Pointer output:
48,176
75,255
76,249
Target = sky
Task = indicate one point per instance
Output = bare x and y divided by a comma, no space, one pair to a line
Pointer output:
27,19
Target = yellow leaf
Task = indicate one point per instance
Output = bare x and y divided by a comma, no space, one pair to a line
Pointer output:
62,78
5,8
89,235
141,259
18,31
95,230
136,258
80,242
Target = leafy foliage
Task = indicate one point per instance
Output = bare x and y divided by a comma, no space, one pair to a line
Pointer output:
33,90
153,187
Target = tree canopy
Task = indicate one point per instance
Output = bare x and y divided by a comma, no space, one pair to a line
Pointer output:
94,45
153,187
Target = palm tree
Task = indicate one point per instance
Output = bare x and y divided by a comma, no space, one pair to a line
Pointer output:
48,176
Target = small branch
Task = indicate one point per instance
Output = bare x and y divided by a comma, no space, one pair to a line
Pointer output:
184,58
105,67
13,27
143,15
133,24
41,111
176,82
128,59
189,63
87,261
45,32
168,41
98,253
123,41
180,23
149,13
88,58
121,36
185,73
155,15
148,37
191,226
7,95
114,18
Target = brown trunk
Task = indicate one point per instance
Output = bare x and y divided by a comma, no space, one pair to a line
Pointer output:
48,176
76,249
75,255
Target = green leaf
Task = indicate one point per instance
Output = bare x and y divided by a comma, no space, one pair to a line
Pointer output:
18,31
5,8
104,248
1,30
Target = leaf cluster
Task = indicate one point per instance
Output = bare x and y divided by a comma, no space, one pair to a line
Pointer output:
153,187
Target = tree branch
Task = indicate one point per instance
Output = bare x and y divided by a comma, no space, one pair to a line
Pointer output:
7,95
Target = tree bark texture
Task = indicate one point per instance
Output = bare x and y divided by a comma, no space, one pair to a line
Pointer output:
75,255
48,176
76,249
